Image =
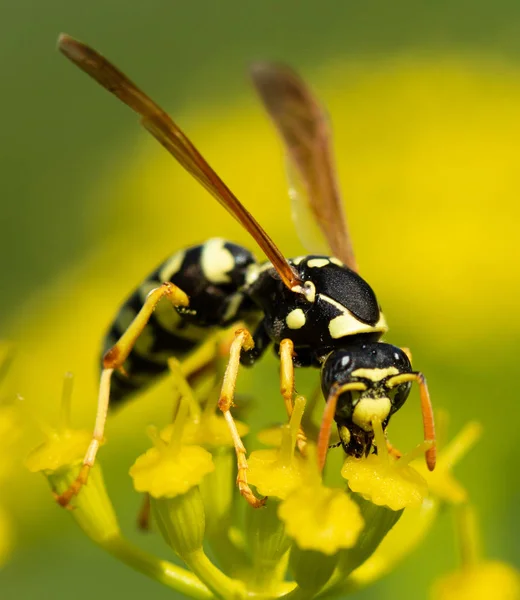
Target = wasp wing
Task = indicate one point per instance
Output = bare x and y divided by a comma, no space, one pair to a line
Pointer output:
169,134
303,125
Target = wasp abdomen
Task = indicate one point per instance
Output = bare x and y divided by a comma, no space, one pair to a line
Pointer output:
212,275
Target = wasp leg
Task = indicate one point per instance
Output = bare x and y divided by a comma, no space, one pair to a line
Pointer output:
287,385
243,340
114,359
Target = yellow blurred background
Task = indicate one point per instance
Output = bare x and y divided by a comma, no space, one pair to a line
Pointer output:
425,104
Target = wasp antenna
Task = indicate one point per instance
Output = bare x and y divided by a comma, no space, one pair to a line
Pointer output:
428,421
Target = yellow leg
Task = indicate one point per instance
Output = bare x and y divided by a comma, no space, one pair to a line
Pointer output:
114,359
116,356
287,385
287,374
243,340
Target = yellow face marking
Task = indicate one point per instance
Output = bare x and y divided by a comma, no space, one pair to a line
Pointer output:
369,408
375,374
216,261
295,319
171,266
336,261
316,263
297,260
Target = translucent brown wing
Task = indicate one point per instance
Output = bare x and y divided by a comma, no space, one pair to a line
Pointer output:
302,123
162,127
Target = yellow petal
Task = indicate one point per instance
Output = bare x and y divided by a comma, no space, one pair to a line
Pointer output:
482,581
384,482
271,476
321,518
59,450
160,474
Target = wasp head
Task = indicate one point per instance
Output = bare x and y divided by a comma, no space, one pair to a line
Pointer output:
366,379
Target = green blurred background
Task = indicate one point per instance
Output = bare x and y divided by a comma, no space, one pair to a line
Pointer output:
425,101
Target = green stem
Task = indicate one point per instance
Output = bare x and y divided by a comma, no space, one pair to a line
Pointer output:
162,571
221,585
467,536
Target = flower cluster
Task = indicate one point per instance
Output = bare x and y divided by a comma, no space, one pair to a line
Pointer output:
309,539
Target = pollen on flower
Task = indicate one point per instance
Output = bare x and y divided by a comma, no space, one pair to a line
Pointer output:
170,469
385,483
272,476
60,450
277,472
321,518
317,517
160,474
385,480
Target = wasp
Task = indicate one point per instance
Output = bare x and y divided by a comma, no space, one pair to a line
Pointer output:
315,310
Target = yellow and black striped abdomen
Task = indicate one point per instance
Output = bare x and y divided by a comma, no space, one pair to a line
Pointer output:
212,275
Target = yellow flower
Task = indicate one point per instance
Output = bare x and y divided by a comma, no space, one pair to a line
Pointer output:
321,518
169,470
485,580
384,480
277,472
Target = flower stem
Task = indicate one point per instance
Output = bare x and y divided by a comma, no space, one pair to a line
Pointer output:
221,585
162,571
66,401
460,445
467,536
